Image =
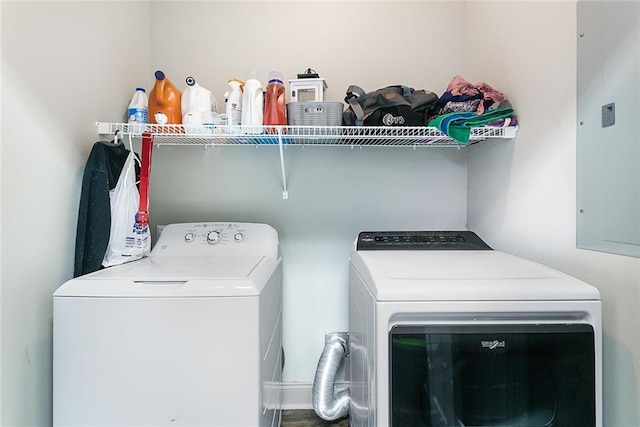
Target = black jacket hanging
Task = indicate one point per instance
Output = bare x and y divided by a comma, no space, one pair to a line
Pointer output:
101,173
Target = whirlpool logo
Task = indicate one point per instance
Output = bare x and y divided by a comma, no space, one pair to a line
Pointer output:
492,345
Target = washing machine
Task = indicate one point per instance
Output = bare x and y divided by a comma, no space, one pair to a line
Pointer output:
445,331
189,336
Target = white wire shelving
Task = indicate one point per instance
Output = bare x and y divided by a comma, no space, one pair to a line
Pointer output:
350,136
284,136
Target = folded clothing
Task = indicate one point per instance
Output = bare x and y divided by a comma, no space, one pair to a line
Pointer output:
458,124
459,91
470,105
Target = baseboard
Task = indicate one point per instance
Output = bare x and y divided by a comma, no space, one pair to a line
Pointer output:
297,394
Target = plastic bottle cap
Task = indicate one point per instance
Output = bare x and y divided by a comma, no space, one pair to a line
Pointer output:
190,81
275,81
140,89
159,75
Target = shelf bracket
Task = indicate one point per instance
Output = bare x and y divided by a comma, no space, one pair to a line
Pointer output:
285,193
103,128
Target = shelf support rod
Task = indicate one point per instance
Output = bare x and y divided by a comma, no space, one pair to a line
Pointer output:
285,193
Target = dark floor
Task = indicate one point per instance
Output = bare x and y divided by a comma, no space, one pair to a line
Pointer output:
308,418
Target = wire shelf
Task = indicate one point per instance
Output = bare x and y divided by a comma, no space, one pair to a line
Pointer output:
283,136
411,136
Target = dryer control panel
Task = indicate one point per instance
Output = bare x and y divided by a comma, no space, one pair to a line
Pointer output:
217,239
420,240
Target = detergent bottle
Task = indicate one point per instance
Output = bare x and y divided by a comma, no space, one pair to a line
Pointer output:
198,105
234,102
138,107
164,102
252,105
274,103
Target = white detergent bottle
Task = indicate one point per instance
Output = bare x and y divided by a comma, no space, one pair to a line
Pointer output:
198,104
138,107
234,104
252,105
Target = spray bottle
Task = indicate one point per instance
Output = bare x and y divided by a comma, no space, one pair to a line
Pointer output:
234,102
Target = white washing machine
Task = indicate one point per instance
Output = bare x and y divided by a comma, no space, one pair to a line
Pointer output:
189,336
445,331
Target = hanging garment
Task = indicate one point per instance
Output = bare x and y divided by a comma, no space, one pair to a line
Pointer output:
101,174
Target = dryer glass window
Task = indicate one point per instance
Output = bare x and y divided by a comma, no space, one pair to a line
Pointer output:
492,375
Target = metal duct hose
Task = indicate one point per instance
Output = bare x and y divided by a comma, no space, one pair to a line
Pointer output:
326,404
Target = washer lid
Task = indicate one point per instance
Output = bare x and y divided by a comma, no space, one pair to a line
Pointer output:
176,276
464,276
183,268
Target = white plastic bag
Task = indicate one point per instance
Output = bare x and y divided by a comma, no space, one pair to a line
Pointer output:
128,240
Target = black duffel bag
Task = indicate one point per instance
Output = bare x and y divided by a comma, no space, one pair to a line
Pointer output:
390,106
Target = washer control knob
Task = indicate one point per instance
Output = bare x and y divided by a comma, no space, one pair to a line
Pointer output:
189,237
213,237
238,237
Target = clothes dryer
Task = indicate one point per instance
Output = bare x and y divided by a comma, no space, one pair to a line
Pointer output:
445,331
190,335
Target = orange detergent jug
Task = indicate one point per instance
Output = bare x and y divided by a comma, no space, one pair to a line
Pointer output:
164,102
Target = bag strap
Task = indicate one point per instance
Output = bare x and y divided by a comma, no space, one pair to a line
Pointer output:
406,91
142,217
353,93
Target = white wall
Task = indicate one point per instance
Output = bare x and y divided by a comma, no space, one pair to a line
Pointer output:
64,65
346,42
522,194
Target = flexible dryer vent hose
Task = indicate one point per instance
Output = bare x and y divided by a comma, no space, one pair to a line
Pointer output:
328,404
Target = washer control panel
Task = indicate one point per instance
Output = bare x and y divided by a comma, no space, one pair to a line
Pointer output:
217,238
420,240
214,237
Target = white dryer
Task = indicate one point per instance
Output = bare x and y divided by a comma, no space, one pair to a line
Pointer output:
445,331
189,336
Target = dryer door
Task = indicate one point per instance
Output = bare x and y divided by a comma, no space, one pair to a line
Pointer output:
530,375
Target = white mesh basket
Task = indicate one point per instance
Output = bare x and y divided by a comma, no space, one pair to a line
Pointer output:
315,113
